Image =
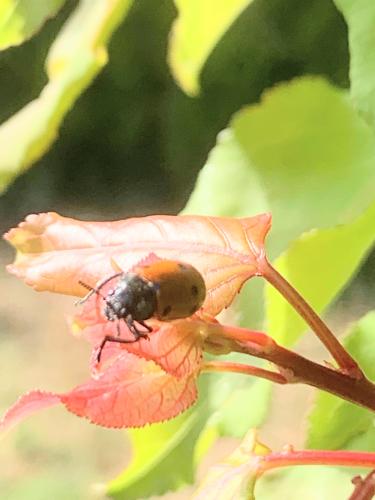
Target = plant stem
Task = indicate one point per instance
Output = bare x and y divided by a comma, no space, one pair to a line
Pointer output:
316,457
342,357
225,366
364,488
221,339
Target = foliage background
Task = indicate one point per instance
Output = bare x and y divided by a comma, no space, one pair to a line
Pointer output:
132,145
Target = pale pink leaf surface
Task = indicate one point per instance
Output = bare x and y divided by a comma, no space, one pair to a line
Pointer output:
54,252
175,347
27,405
131,393
235,477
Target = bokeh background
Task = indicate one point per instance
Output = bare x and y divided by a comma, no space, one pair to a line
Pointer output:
132,145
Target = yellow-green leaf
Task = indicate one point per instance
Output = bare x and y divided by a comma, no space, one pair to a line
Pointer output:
20,19
76,56
318,265
360,16
198,28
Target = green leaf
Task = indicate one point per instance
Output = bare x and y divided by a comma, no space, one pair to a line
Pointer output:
163,457
318,265
238,403
309,483
303,153
198,28
360,17
334,423
74,59
20,19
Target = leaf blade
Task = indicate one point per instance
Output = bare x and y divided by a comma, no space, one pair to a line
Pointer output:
21,19
346,422
198,28
74,59
55,252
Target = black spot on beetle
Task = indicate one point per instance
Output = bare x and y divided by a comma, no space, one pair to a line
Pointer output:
194,290
167,310
183,267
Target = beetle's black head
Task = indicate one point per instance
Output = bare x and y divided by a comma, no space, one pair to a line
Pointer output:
132,296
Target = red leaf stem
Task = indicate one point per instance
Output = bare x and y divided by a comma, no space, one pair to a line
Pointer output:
294,367
224,366
291,457
326,336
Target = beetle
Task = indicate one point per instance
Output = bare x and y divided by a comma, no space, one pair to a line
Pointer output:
164,289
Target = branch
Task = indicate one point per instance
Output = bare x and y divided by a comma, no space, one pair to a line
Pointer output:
221,339
338,352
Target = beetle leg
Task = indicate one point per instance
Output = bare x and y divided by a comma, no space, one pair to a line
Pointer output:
133,328
111,338
148,328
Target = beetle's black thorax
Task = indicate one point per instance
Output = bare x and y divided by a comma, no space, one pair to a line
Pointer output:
133,296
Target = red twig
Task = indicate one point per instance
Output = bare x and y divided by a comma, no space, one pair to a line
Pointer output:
315,457
221,339
225,366
338,352
364,488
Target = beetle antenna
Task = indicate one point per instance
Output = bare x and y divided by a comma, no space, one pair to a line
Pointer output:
96,289
91,289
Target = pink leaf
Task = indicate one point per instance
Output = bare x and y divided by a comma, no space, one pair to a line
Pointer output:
175,347
54,252
131,393
26,405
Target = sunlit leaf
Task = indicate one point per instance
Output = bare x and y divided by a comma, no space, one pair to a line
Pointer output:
76,56
346,421
360,16
158,449
175,346
318,265
235,477
131,393
199,26
54,252
20,19
27,405
238,403
303,154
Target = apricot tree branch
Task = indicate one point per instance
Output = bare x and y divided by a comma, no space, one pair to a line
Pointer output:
326,336
221,339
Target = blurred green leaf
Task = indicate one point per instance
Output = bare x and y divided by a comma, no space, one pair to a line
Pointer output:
163,457
198,28
318,265
363,441
20,19
309,483
74,59
335,422
238,403
302,153
360,17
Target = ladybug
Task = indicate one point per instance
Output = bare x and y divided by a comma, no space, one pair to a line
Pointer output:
165,289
